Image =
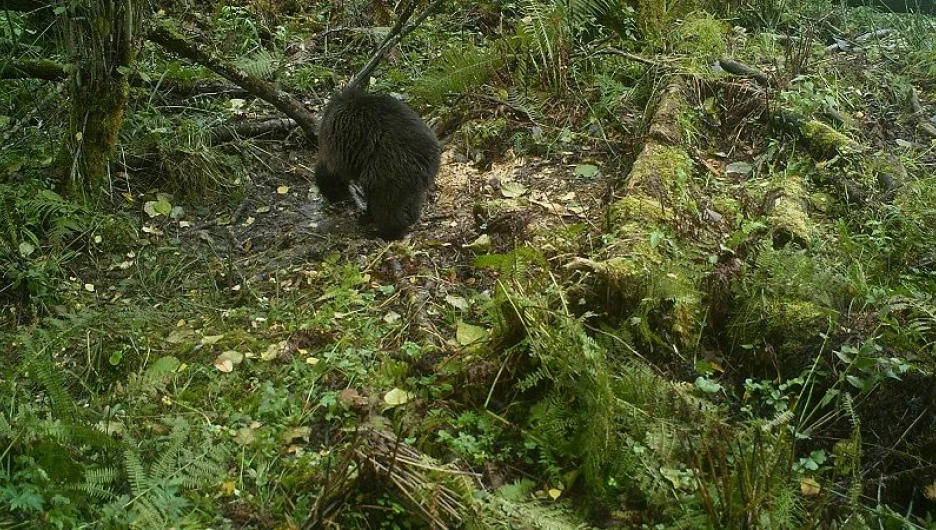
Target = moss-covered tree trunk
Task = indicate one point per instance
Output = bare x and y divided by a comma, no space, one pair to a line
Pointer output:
102,38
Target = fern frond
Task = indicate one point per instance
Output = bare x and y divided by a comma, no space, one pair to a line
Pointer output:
97,482
262,64
615,15
136,472
549,37
39,363
167,464
459,70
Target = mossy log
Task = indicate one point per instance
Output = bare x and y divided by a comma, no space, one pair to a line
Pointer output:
787,209
822,139
39,69
640,273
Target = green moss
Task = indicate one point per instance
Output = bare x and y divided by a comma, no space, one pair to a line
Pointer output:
788,216
660,164
637,210
701,38
825,139
785,327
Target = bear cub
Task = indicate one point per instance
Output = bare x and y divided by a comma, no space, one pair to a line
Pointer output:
379,145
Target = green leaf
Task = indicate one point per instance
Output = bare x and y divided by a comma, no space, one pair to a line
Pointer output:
162,366
157,208
586,171
706,385
466,334
513,189
26,249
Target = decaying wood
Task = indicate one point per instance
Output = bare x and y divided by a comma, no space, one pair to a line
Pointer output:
272,129
821,138
737,68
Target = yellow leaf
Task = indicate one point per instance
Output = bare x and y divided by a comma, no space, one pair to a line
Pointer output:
312,360
282,190
211,339
227,487
930,492
809,487
554,493
397,397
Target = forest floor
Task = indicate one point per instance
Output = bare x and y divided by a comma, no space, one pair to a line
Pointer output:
660,303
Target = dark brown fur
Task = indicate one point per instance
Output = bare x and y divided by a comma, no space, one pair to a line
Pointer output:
378,143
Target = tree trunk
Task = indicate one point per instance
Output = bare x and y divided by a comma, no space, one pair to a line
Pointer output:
102,37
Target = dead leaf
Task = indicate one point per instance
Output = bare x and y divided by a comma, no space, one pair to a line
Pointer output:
273,351
227,360
351,398
930,492
457,302
513,189
244,436
211,339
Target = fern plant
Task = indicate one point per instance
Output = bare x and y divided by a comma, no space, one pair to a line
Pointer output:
459,70
39,234
158,500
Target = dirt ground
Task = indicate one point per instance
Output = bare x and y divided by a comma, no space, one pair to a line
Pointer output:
284,219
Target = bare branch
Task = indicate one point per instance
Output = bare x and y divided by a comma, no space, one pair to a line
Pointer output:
393,38
169,39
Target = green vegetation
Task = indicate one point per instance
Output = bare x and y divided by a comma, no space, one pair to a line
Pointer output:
648,292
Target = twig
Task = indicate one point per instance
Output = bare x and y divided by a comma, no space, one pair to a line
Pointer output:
631,56
395,36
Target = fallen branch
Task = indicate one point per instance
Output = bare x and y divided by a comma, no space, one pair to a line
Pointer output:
39,69
46,70
737,68
166,37
272,129
631,56
876,34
